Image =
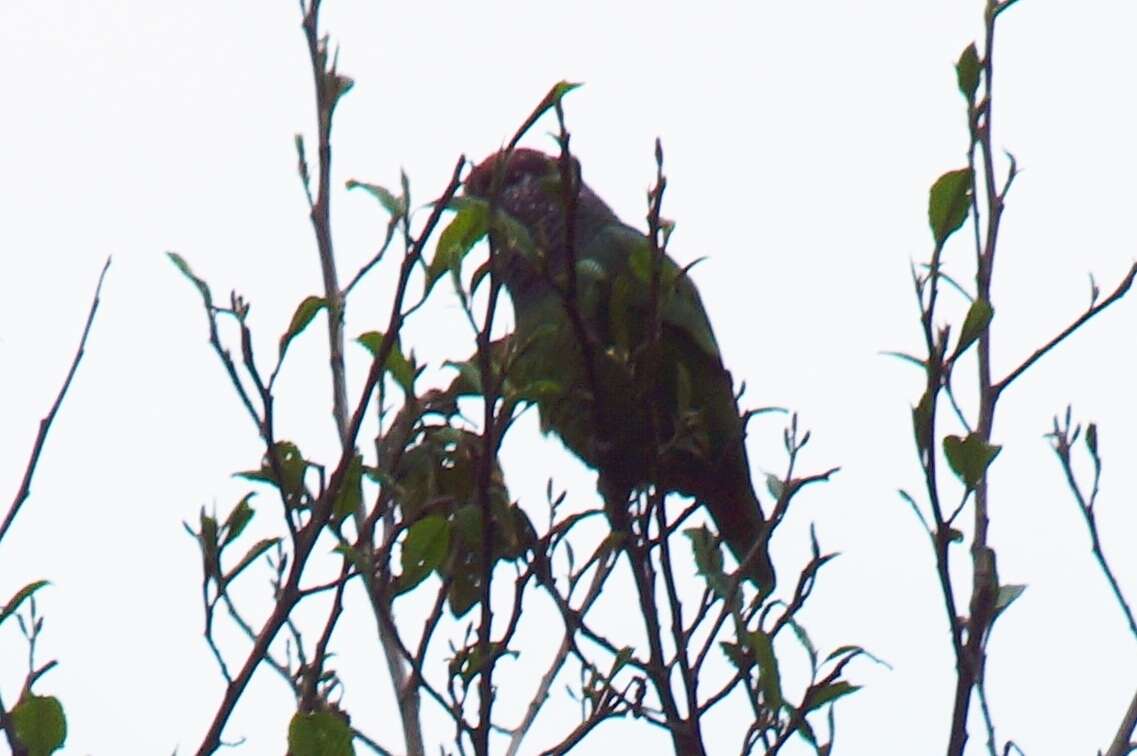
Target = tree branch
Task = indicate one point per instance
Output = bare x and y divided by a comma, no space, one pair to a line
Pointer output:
1121,290
45,424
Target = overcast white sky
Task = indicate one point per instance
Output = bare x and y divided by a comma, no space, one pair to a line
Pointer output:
800,141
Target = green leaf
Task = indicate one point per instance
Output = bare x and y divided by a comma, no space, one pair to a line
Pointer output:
350,495
467,526
852,651
737,655
469,380
424,548
948,203
470,660
305,311
842,650
466,229
969,457
640,262
978,318
806,730
967,72
775,485
14,602
769,678
480,274
201,285
254,553
623,656
352,554
319,733
292,468
915,508
922,422
907,358
554,96
562,88
509,233
238,518
39,724
207,538
1092,439
465,592
395,206
804,639
540,390
830,693
400,368
708,558
1007,596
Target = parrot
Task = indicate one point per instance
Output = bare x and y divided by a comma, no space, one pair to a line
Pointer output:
640,411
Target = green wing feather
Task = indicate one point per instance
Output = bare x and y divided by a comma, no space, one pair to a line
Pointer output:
625,255
670,418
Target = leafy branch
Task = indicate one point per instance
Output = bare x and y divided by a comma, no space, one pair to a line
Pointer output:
974,191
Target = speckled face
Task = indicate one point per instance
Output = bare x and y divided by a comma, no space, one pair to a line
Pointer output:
528,189
530,193
522,162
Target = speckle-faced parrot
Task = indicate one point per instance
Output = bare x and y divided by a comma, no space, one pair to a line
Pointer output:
644,412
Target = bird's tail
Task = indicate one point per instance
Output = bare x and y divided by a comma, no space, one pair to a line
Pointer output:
739,520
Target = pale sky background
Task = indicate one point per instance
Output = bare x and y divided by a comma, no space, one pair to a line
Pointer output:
800,141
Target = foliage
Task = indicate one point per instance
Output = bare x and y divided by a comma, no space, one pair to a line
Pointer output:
977,192
425,510
428,510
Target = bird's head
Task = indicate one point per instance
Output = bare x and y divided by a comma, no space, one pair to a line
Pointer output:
524,165
527,188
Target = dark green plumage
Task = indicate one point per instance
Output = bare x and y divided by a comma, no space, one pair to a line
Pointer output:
665,416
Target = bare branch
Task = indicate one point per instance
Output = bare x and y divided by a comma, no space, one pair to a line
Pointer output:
1122,742
45,424
1121,290
1062,439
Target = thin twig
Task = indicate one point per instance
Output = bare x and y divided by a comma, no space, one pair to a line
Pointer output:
328,90
45,424
407,696
1062,439
8,728
491,440
322,509
1122,745
280,668
289,595
330,624
371,743
798,719
374,259
1121,290
988,722
599,578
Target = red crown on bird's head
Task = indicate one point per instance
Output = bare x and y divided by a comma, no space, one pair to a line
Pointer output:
522,162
